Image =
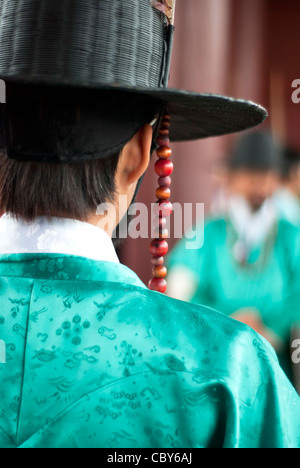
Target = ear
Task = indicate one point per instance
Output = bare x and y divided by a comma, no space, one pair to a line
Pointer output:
135,158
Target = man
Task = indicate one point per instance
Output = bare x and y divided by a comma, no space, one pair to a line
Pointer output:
249,263
95,359
287,197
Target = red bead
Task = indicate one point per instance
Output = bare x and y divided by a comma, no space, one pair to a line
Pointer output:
164,181
159,271
163,167
163,193
158,284
157,261
163,140
164,152
166,117
159,248
163,209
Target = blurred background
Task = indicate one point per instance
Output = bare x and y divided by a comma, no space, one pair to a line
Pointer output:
247,49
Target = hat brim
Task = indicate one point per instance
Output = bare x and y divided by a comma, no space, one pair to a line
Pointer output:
194,116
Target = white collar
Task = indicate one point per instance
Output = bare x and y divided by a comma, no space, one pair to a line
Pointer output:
55,235
252,228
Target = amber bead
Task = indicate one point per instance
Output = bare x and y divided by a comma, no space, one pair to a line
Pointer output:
159,271
164,181
164,131
164,152
161,233
157,261
163,193
159,248
158,284
163,167
166,117
166,123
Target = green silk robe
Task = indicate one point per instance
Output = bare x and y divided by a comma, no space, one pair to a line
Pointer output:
221,283
95,359
270,283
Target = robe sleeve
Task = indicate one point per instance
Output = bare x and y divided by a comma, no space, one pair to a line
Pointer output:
287,314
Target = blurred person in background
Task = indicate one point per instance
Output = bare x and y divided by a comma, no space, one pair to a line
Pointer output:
287,197
248,262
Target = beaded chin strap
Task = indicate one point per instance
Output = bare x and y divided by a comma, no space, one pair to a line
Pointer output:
163,168
163,208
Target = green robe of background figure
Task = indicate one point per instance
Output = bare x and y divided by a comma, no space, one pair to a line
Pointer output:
95,359
265,282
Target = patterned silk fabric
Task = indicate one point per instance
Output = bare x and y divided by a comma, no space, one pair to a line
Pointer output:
94,359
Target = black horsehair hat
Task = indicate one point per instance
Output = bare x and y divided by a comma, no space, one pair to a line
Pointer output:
83,76
258,151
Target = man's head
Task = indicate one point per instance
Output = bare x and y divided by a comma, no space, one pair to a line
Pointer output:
110,147
255,186
30,189
254,168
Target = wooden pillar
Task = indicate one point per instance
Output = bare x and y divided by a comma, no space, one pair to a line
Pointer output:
200,63
248,51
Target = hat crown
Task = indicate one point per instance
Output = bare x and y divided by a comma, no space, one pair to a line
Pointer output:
257,151
84,42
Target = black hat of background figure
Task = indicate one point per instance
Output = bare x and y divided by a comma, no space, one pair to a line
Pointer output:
84,75
256,151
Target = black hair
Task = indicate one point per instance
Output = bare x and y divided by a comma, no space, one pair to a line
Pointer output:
29,189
